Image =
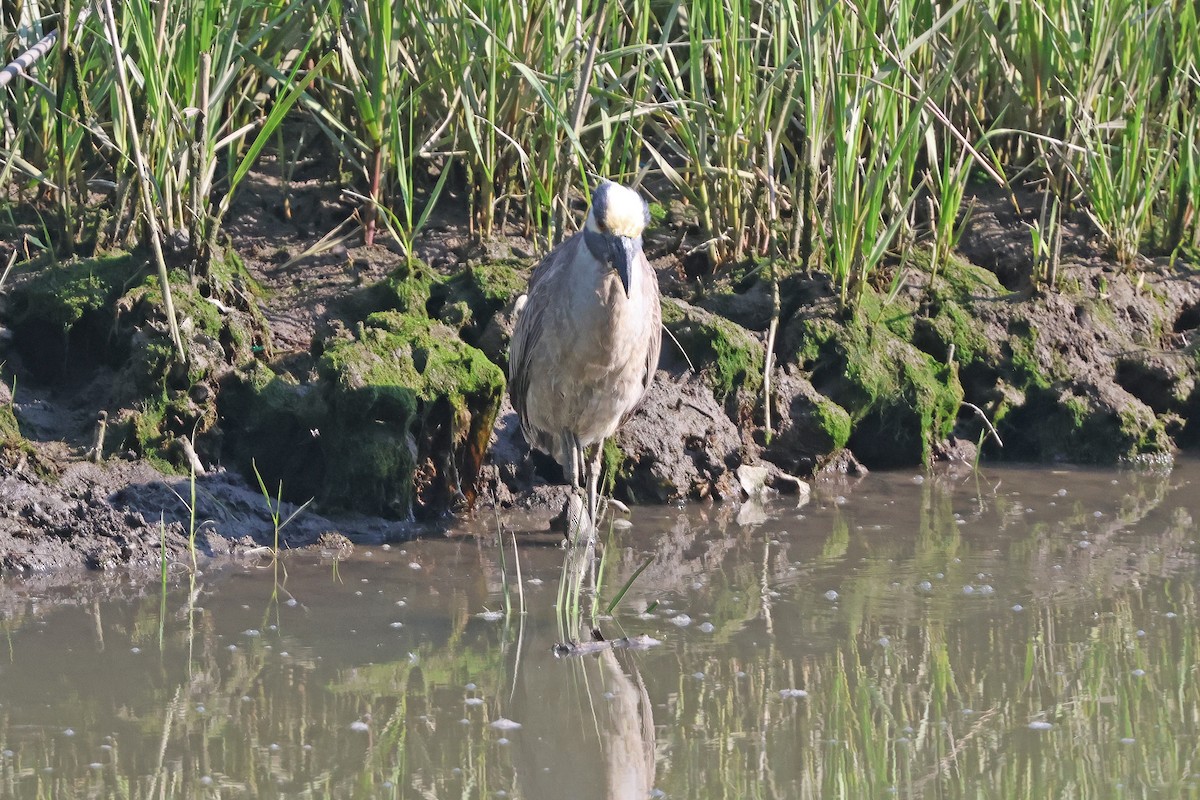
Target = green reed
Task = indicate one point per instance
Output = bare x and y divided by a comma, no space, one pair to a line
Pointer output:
870,116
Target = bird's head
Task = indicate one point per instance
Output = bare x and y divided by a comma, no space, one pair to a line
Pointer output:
614,228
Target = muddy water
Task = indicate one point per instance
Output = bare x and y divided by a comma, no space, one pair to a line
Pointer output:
1017,634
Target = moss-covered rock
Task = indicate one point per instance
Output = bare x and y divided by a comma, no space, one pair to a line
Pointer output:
899,399
108,312
406,289
1077,425
728,355
808,427
411,409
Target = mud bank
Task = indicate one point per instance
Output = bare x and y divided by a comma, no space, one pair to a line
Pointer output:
374,387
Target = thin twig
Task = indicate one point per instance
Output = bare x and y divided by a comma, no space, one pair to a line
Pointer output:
986,421
772,218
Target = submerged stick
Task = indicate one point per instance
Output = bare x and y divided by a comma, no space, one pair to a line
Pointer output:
572,649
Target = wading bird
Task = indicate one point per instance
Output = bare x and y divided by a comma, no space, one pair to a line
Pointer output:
586,342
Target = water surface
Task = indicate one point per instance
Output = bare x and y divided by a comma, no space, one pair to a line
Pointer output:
1020,633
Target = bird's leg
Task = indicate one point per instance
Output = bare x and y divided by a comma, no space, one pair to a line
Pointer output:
570,448
574,511
593,483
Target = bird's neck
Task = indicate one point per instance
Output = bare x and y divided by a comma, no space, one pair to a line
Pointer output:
596,244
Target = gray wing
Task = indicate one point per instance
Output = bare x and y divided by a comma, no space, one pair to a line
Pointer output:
651,281
531,322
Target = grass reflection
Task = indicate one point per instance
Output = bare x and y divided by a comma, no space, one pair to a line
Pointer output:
902,639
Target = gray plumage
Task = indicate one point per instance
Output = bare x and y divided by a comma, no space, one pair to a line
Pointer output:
586,342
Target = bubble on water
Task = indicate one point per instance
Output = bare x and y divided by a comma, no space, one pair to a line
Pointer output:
939,575
986,589
474,701
884,641
1083,544
1140,633
470,687
706,627
968,589
1128,740
505,724
291,601
831,595
6,753
1018,607
501,741
918,479
246,698
273,747
1061,493
925,586
464,721
251,632
1040,725
792,694
698,676
739,674
490,616
1097,514
96,765
1137,673
621,524
395,624
680,620
534,582
68,732
413,565
206,780
358,726
135,650
1170,615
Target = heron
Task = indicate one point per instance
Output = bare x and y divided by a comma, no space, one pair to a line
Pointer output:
586,341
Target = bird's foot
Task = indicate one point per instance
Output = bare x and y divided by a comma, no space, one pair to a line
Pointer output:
573,520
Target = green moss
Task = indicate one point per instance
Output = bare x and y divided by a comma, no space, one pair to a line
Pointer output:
62,294
727,354
658,213
834,421
407,289
897,399
469,299
1026,368
612,466
404,393
15,449
1062,424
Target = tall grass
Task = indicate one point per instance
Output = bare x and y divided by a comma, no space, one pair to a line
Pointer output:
871,115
